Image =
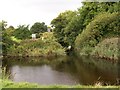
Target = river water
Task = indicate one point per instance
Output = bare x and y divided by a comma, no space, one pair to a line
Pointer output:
62,70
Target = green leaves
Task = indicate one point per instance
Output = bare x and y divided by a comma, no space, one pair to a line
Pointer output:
38,28
22,32
38,47
103,25
60,23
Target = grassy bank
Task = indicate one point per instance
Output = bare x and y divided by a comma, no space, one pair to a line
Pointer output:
44,46
10,84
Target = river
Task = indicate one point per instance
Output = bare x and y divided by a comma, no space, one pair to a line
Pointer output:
62,70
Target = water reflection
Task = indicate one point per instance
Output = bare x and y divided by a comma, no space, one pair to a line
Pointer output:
62,70
40,74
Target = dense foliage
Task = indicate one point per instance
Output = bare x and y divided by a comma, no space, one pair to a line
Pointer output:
89,25
108,48
11,37
38,28
22,32
44,46
59,24
81,19
104,25
5,41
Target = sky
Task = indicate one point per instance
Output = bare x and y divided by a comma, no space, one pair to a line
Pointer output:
19,12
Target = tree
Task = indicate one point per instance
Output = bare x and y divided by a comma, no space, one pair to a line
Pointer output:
38,28
85,15
59,24
104,25
10,30
22,32
5,37
11,27
3,25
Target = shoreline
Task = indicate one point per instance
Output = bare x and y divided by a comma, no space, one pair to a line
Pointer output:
56,56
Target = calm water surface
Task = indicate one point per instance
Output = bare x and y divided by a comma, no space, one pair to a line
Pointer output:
62,70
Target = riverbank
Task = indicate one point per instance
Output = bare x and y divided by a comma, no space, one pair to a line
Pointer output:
107,49
10,84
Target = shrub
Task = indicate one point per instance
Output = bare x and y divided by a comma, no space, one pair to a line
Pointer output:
103,25
108,48
38,47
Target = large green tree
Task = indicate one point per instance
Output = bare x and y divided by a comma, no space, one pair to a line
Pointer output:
59,24
5,37
38,28
104,25
22,32
85,15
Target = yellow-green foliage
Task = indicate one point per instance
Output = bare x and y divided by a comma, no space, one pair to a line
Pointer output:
15,39
102,26
39,47
108,48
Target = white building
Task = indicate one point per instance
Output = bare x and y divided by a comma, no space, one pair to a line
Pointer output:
33,36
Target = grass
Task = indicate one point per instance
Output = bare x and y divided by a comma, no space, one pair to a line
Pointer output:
10,84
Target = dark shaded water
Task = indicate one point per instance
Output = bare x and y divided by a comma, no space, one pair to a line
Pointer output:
62,70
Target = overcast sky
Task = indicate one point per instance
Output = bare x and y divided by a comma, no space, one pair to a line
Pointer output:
17,12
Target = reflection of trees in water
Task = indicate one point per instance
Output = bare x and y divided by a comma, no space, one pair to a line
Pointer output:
84,70
77,69
88,71
25,61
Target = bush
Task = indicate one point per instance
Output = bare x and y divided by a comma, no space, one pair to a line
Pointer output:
103,25
46,47
108,48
